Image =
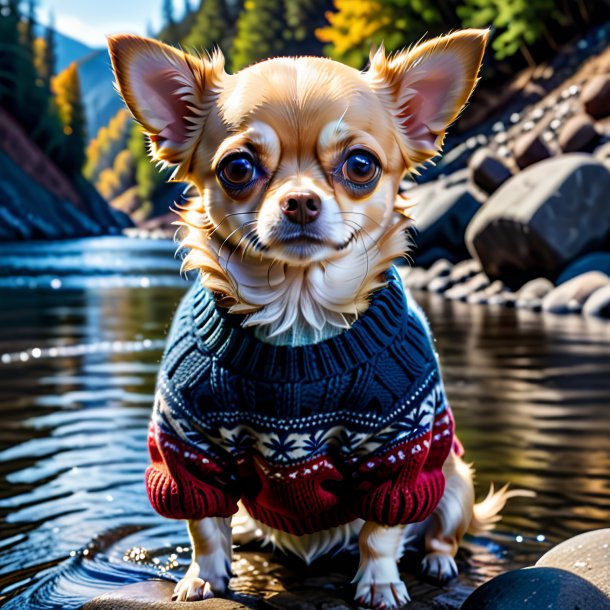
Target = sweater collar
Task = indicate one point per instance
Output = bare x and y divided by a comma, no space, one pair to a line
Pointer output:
220,333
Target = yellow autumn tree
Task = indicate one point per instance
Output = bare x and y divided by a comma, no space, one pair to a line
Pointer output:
66,88
352,29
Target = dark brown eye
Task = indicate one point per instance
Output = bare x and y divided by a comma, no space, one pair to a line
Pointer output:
360,167
236,171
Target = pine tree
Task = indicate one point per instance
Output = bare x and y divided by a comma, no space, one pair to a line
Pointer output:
262,32
10,50
169,33
51,51
212,27
66,87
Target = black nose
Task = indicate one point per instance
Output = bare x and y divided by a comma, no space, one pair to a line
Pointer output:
301,207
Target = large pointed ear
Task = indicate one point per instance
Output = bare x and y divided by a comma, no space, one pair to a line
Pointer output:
426,87
170,93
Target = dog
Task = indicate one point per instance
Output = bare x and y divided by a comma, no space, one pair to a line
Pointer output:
300,399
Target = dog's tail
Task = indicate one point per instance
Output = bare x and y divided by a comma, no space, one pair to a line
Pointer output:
486,513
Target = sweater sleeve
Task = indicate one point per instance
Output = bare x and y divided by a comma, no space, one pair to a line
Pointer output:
184,482
404,482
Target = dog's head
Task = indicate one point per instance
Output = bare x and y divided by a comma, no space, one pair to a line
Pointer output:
297,160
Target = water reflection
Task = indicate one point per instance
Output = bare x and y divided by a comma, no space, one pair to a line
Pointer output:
531,396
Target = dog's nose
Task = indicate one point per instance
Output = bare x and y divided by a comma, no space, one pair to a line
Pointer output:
301,207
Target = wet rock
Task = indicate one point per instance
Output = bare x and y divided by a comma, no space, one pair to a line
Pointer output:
464,270
536,588
578,134
598,304
595,96
440,269
488,170
543,218
154,595
597,261
482,296
440,284
603,152
571,295
441,216
530,149
530,295
470,286
412,277
586,555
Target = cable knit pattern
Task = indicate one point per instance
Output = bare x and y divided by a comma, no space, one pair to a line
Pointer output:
307,437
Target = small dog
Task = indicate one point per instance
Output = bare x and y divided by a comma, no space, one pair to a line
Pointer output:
299,397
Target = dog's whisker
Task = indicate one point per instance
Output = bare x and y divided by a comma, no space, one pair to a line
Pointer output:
233,233
226,217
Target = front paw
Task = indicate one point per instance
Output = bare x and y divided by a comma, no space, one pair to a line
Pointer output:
192,589
386,596
439,567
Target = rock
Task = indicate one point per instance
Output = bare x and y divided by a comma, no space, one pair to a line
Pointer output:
598,304
470,286
412,276
596,261
483,296
586,555
578,134
488,170
440,284
154,595
537,588
542,219
440,269
603,152
571,295
441,216
530,295
595,96
464,270
530,149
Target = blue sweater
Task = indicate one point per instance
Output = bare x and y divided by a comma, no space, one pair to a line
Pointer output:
307,437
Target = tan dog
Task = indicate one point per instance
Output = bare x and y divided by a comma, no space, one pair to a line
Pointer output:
298,162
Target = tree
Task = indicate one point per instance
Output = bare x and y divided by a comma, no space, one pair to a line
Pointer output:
212,27
169,32
356,26
51,51
262,32
66,87
303,18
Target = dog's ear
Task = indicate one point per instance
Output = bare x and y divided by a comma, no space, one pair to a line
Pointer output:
426,87
170,93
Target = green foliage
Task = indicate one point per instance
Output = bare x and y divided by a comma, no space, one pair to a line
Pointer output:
262,32
212,26
303,17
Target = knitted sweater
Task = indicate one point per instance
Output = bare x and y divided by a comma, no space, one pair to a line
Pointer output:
307,437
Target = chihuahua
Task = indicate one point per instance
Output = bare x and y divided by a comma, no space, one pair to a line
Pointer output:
299,399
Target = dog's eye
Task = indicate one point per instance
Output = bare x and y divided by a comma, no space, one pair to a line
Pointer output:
236,170
361,167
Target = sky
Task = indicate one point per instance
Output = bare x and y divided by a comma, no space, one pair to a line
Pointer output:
89,21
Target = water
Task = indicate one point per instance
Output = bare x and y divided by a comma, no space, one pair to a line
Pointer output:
79,354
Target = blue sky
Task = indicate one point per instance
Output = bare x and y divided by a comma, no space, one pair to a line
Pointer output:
91,20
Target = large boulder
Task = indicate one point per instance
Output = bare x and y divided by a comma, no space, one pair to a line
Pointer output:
596,96
530,149
442,213
542,219
596,261
572,295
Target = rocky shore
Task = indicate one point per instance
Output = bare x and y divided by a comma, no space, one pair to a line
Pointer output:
526,223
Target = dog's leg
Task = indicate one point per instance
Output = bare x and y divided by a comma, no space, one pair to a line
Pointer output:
449,522
378,581
210,570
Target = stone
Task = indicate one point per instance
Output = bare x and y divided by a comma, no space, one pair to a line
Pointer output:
440,269
488,171
598,304
154,595
603,152
537,588
530,149
470,286
595,96
586,555
542,219
596,261
464,270
571,295
578,134
442,213
484,295
412,277
530,295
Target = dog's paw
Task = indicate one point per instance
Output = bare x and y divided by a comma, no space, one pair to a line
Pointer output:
439,567
192,589
382,596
